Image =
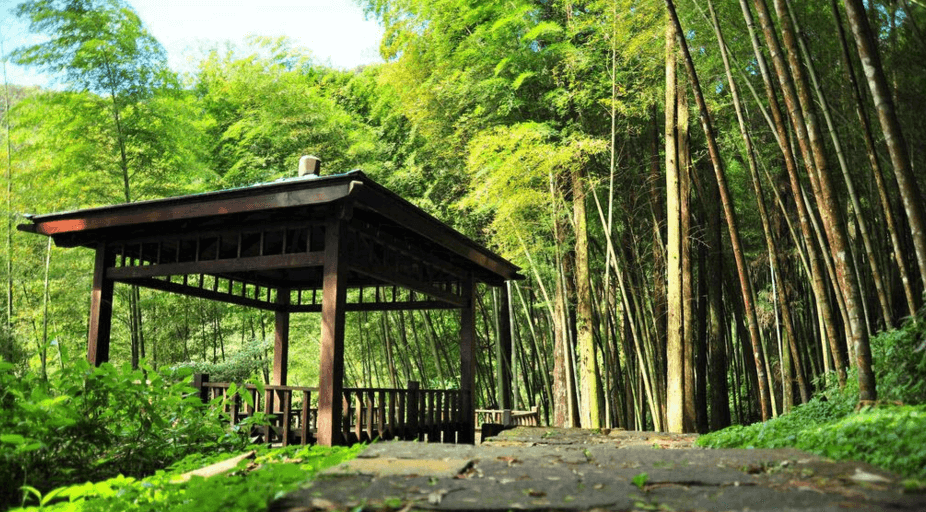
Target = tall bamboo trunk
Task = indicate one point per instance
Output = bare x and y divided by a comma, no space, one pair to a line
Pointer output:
856,209
821,297
831,212
563,391
898,253
590,390
675,376
6,351
716,342
727,202
688,302
774,254
890,126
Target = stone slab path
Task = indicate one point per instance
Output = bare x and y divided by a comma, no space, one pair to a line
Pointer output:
542,468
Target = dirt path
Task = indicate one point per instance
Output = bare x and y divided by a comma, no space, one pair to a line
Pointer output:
540,468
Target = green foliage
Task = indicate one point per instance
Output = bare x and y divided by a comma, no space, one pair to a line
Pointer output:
95,423
124,124
268,107
899,357
515,168
893,437
243,365
249,487
100,46
640,480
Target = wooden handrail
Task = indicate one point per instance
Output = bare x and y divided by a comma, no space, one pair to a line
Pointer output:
434,415
510,418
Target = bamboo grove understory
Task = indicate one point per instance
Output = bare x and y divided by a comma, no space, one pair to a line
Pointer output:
716,205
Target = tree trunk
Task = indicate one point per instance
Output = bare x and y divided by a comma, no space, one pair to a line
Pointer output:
590,391
688,302
774,254
811,145
675,373
893,136
716,324
726,201
858,214
6,351
563,392
659,245
817,273
898,253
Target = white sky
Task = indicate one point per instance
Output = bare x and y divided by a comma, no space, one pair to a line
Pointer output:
333,30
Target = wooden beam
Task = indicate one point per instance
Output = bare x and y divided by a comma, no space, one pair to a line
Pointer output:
406,249
418,221
203,293
251,264
281,339
101,308
391,276
468,362
331,355
419,305
243,227
504,348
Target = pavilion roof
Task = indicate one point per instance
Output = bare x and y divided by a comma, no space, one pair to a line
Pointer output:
264,234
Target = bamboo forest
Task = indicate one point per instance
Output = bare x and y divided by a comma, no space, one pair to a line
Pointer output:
717,208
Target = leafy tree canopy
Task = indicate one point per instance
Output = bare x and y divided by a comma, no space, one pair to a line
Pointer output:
95,45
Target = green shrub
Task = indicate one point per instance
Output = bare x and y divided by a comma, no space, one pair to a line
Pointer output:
250,487
899,361
92,423
893,437
241,366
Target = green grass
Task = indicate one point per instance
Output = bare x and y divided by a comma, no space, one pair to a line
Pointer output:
250,487
892,437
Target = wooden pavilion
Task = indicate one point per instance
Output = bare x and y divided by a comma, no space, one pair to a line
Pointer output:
327,244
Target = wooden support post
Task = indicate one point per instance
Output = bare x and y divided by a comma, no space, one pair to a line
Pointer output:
331,357
504,350
281,339
468,361
199,381
101,307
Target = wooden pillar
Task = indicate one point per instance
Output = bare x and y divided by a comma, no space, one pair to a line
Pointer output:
331,357
101,308
504,350
281,339
468,360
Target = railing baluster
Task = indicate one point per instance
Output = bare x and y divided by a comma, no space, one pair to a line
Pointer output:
422,415
268,410
304,417
381,414
287,412
401,416
368,421
345,415
358,420
446,421
431,416
439,420
235,409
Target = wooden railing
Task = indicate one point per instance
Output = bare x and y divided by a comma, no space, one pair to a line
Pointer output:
509,417
431,415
